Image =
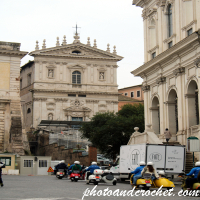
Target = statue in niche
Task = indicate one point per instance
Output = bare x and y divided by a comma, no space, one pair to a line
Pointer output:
50,73
50,116
101,75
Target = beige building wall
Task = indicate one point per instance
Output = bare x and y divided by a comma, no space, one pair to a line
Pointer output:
5,76
185,16
11,134
171,79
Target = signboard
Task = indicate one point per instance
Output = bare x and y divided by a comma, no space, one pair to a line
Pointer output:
174,159
130,157
156,154
50,170
193,144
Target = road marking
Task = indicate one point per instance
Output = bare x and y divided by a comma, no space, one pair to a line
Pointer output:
58,198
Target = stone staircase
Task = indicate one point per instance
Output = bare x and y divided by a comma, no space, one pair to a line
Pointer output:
16,128
189,157
189,161
16,135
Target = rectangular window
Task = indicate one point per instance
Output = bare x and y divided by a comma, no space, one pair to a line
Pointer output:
170,44
132,94
189,32
28,163
71,95
42,163
74,79
153,55
76,119
28,79
138,93
78,79
126,94
81,95
6,160
20,83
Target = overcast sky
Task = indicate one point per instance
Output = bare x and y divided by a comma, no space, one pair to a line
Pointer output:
116,22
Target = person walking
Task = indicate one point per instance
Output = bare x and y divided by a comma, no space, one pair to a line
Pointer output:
2,165
167,134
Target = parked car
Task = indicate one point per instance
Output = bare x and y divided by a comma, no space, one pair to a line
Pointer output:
102,160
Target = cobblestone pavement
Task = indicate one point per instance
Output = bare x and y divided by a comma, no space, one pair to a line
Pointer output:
51,188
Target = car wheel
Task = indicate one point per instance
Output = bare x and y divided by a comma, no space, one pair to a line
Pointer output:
95,183
114,182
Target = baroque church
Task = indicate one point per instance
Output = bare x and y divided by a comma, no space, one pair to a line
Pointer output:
171,67
68,83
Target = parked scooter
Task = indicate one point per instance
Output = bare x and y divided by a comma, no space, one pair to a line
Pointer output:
60,173
146,183
196,186
75,175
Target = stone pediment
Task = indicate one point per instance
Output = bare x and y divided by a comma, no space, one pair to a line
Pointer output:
77,50
77,106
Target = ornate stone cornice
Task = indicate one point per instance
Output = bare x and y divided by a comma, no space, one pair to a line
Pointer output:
169,39
60,100
153,49
39,99
179,71
112,102
102,105
20,54
166,55
189,25
161,80
146,88
73,92
92,101
161,3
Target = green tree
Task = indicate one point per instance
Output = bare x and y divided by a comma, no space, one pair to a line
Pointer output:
108,131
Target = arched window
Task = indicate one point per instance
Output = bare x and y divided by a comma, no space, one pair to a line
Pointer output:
76,77
29,110
170,25
50,116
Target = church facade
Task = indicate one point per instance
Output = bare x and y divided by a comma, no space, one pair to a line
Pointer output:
69,82
171,69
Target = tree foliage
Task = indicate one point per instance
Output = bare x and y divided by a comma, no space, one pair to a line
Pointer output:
108,131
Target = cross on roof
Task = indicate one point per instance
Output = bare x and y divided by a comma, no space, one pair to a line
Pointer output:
76,28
